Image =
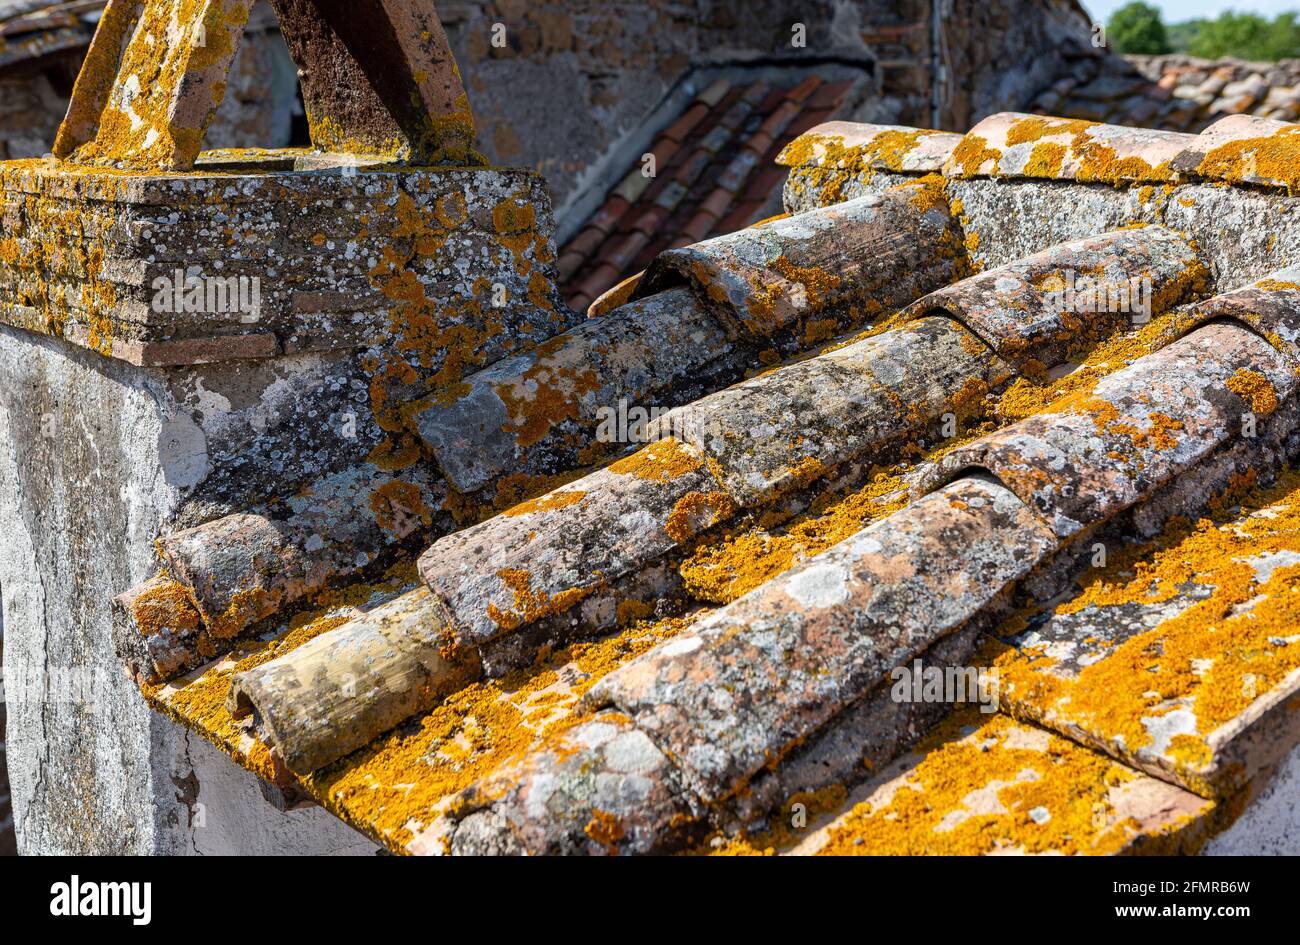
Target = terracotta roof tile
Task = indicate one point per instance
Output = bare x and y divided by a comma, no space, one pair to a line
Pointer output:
740,215
1175,92
684,125
711,160
828,96
891,429
807,87
569,262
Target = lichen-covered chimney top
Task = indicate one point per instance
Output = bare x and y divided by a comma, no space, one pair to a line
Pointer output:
378,78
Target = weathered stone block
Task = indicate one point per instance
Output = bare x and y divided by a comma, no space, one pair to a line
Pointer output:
124,417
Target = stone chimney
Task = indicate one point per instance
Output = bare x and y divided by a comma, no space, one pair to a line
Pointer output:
188,335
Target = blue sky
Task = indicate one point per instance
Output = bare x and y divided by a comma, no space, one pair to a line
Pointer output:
1177,10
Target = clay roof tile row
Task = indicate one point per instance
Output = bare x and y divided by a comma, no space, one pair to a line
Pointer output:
1179,93
713,174
1112,363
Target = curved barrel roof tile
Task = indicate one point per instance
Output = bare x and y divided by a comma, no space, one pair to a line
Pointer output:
892,465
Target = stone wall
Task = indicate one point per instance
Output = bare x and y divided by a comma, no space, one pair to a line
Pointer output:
8,842
572,79
87,475
563,84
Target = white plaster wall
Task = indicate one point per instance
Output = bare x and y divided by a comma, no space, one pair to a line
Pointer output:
94,458
1271,824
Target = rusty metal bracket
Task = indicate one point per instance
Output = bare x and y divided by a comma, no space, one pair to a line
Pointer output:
378,78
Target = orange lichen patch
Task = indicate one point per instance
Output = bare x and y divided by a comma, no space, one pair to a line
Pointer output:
1275,158
817,284
539,291
989,785
1105,418
1045,160
244,609
1097,161
548,393
727,566
974,156
606,829
697,511
1276,285
439,339
530,605
1215,657
807,471
515,220
427,332
633,611
1255,389
169,82
328,134
827,165
451,210
166,605
611,299
1061,147
511,490
1025,396
517,488
400,783
396,452
546,503
1163,428
59,264
818,330
397,506
662,461
1035,128
928,192
1103,164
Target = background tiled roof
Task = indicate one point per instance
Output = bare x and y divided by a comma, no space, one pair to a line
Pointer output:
34,29
1179,93
715,173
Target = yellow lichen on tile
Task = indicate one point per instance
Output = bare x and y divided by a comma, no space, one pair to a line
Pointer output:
1214,658
746,555
1271,158
828,165
400,782
661,461
198,699
989,785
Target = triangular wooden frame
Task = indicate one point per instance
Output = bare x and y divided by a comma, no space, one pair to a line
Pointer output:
378,78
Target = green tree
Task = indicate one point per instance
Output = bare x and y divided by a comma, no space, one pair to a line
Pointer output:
1247,36
1181,35
1137,28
